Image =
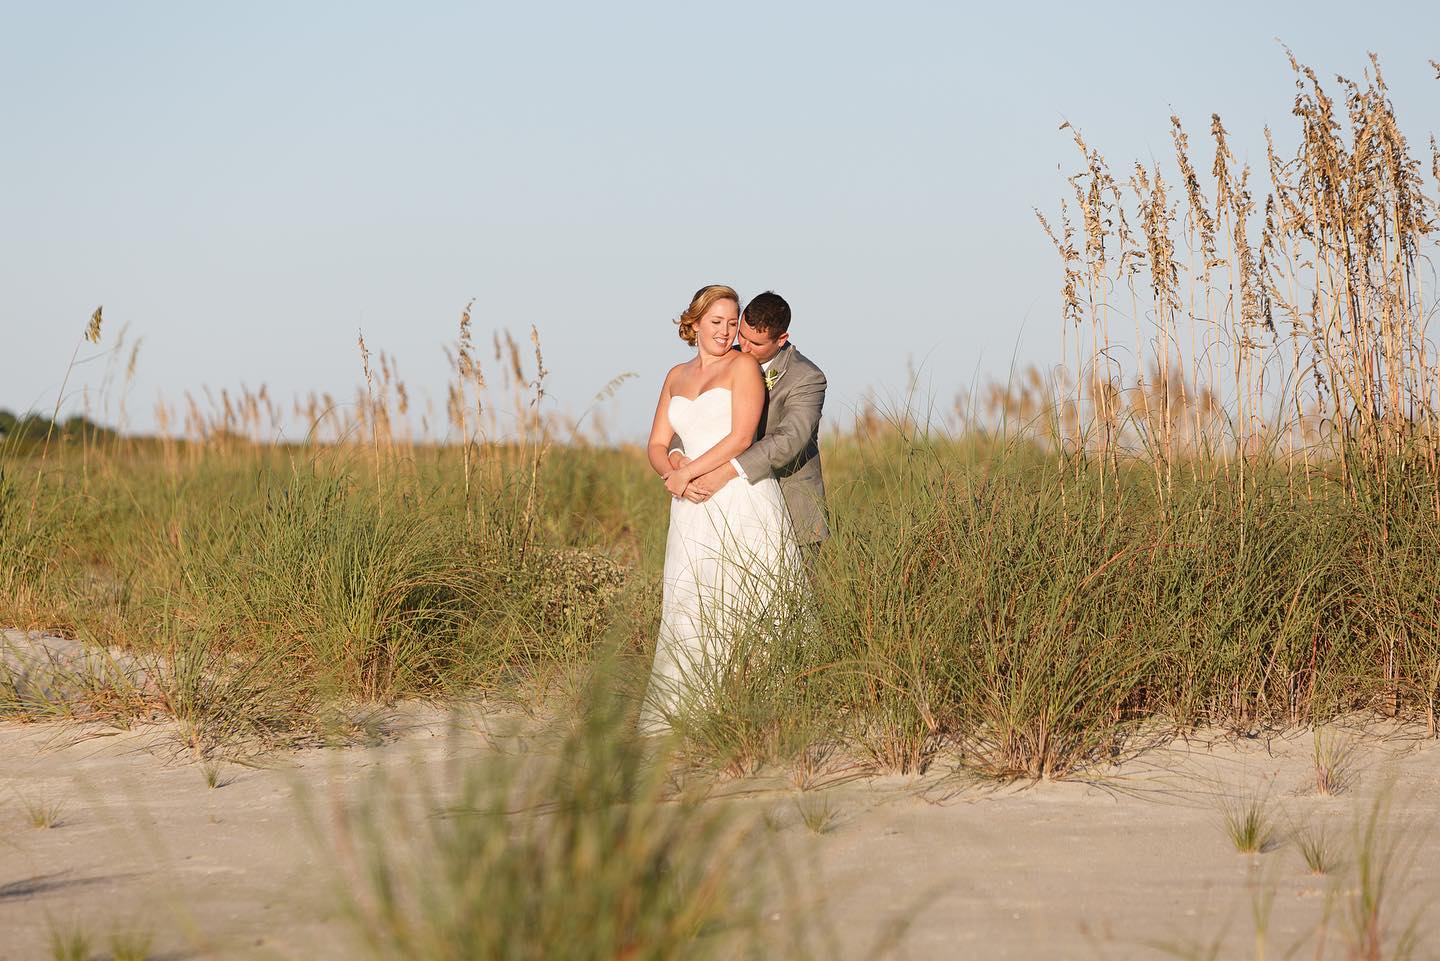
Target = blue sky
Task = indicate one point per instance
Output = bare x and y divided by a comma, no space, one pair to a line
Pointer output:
246,185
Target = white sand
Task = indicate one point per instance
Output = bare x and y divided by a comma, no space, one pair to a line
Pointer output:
1054,870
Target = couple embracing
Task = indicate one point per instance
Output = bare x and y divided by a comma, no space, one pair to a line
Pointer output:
736,441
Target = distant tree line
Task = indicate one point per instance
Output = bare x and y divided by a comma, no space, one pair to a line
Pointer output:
25,431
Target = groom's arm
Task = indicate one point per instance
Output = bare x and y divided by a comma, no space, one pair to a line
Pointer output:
677,452
785,441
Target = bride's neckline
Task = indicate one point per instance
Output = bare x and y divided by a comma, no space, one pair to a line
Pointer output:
699,395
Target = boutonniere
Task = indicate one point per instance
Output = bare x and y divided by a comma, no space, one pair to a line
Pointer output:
772,377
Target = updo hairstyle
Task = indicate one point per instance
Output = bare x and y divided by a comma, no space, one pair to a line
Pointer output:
703,300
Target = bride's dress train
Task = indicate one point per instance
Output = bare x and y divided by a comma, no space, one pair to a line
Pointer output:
727,562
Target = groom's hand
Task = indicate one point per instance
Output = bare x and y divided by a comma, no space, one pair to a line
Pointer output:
678,460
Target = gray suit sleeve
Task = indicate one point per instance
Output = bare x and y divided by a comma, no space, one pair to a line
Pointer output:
676,444
785,441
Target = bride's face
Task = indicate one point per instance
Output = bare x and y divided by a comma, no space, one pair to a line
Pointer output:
716,330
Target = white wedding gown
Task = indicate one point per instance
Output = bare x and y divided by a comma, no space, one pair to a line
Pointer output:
729,562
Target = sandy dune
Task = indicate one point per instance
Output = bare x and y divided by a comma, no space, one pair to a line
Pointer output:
1054,870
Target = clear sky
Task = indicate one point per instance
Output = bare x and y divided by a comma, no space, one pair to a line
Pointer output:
245,185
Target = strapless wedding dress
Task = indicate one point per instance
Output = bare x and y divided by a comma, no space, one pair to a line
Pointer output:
727,563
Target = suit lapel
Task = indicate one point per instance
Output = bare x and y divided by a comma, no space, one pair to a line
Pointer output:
781,364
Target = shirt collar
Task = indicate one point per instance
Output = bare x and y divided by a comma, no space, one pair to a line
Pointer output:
766,366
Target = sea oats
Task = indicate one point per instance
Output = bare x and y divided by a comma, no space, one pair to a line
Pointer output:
92,330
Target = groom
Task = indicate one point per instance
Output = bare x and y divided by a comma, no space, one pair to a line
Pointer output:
787,441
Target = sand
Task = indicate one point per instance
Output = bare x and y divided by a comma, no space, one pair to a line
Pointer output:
1110,867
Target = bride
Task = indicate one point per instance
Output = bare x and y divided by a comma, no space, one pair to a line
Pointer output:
725,554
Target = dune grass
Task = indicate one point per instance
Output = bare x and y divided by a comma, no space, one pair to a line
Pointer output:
817,812
1371,912
1335,762
43,813
1236,528
132,942
70,943
214,780
583,852
1319,848
1376,921
1249,822
972,600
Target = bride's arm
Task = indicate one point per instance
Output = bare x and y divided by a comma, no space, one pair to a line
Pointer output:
657,451
747,401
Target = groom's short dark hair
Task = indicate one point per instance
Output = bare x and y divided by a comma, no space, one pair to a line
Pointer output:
768,313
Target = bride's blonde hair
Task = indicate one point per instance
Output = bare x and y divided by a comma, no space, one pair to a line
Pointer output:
703,300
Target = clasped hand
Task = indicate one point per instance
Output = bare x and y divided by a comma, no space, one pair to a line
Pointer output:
677,481
681,483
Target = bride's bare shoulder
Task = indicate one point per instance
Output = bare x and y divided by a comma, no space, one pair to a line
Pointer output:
742,360
743,364
676,372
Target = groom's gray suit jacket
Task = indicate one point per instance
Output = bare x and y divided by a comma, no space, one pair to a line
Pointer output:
787,442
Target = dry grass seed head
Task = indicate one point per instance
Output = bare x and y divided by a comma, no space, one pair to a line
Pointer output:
92,330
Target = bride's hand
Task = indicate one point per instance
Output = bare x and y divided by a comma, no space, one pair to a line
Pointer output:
676,482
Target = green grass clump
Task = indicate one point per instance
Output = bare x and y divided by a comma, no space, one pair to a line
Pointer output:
130,944
1335,762
210,770
71,943
43,813
1248,823
1318,848
582,855
817,812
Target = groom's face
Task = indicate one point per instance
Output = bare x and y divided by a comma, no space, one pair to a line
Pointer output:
762,345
